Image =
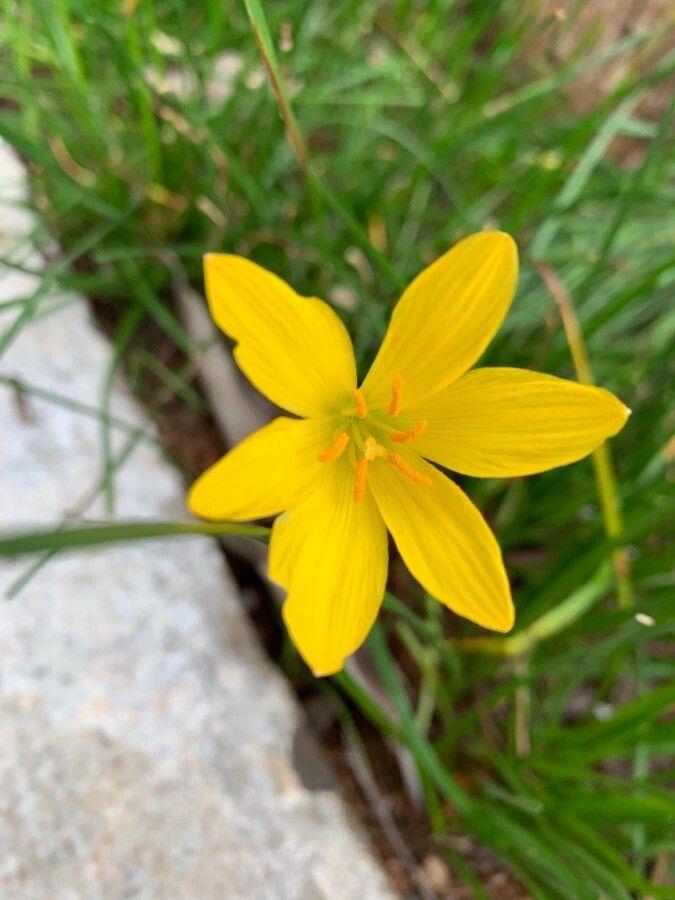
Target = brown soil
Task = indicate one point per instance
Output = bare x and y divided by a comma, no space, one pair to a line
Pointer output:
561,28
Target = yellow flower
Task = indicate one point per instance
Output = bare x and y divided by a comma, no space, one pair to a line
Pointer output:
354,464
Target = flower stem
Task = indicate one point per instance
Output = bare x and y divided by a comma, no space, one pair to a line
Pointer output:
523,702
603,465
612,518
263,39
547,625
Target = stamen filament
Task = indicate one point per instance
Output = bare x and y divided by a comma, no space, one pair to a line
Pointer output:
405,437
336,449
407,470
361,473
394,407
361,406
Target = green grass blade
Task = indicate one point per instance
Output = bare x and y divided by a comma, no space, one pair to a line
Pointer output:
27,542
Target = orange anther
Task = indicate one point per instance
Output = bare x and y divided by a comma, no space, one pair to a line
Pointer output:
361,406
407,470
360,486
337,448
394,407
405,437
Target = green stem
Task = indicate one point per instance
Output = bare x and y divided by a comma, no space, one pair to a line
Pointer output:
547,625
603,465
522,706
608,493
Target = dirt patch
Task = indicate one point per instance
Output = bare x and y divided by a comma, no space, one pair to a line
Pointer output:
562,31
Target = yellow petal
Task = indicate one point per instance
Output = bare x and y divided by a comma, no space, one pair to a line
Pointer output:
330,553
294,349
508,422
445,319
270,470
444,541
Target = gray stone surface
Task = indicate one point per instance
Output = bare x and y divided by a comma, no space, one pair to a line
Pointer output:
146,744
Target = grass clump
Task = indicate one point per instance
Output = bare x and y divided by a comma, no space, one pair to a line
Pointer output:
152,135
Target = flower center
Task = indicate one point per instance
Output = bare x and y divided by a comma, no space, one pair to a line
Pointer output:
368,436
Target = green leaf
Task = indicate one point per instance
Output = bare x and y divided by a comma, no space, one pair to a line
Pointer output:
26,542
622,731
